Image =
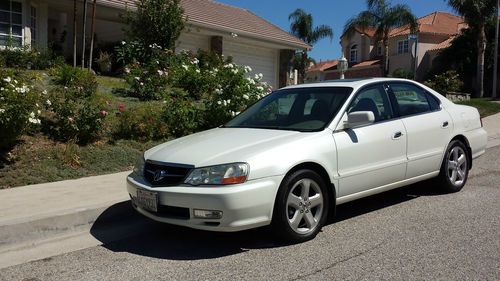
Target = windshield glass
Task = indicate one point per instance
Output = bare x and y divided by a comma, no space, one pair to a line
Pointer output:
302,109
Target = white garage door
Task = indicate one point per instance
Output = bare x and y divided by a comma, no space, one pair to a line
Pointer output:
192,42
261,60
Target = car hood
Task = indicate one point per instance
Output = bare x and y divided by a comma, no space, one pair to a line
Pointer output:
220,145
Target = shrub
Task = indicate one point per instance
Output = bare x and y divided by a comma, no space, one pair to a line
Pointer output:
19,106
79,80
183,115
71,117
26,58
446,82
402,73
142,122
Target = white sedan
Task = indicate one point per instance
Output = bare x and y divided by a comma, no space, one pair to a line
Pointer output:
289,159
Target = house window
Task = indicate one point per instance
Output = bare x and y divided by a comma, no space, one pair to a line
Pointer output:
33,26
403,47
11,23
353,56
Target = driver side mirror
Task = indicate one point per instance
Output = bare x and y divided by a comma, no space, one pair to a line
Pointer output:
359,118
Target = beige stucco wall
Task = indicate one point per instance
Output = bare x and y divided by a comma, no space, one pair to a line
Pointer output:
364,43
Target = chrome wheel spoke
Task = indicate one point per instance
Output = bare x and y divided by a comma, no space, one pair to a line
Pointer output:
461,160
293,201
453,177
296,219
452,165
316,200
461,174
309,219
455,153
306,184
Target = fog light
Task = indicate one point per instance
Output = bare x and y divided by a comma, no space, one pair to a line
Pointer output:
207,214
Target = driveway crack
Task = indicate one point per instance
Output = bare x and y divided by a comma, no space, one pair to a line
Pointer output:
376,246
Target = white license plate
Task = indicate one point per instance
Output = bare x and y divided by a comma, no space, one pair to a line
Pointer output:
147,200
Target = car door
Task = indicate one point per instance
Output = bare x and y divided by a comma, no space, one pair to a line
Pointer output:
374,155
428,127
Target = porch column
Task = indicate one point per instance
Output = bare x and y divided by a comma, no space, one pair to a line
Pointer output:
216,43
286,57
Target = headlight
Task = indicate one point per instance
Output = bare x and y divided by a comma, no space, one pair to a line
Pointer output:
139,166
220,174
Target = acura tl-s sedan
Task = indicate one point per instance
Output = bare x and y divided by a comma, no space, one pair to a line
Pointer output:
290,158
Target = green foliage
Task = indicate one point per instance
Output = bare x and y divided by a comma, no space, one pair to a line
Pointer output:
446,82
105,62
19,105
402,73
80,80
182,115
142,122
26,58
157,22
485,106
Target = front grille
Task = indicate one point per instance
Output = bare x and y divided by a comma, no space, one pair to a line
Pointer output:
165,174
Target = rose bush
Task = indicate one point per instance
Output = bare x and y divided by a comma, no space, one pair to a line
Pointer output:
19,105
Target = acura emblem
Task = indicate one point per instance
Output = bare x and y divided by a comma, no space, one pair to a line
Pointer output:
159,175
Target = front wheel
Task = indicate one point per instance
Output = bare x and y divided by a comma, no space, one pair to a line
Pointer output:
455,167
301,206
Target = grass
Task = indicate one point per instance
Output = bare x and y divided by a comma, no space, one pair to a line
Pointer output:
37,159
485,106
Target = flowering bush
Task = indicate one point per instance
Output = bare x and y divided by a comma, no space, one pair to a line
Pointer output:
19,106
74,112
446,82
142,122
29,58
216,88
182,114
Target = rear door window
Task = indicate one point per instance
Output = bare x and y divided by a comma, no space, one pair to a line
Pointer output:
410,99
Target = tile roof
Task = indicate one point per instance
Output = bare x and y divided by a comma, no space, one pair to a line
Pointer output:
367,63
323,65
441,23
443,45
208,13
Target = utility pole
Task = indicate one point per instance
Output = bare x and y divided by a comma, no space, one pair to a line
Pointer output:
74,33
495,67
83,32
92,36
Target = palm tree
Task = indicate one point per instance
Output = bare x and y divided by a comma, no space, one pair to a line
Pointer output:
382,17
476,13
302,27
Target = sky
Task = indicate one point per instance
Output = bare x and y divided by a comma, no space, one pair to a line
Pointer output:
330,12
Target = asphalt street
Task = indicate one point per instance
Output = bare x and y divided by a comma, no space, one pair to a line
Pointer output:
412,233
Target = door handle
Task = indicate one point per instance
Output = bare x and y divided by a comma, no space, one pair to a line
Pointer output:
397,135
445,124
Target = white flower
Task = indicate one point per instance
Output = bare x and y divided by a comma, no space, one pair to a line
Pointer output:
32,114
185,67
245,96
44,92
48,102
123,42
37,105
197,71
235,70
229,65
219,102
260,75
2,110
157,62
127,70
228,101
142,84
34,120
195,61
248,69
8,79
160,72
218,91
260,88
38,111
137,78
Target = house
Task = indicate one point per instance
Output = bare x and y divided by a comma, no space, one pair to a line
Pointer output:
317,71
228,30
364,53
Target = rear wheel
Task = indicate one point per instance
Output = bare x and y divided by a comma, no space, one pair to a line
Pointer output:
301,206
455,167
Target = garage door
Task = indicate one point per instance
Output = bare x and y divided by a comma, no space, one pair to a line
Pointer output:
192,42
261,60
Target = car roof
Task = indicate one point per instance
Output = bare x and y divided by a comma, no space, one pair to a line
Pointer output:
353,83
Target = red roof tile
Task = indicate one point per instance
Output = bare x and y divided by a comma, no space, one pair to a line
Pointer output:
323,65
436,23
367,63
443,45
218,16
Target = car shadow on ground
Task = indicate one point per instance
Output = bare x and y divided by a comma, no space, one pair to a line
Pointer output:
121,229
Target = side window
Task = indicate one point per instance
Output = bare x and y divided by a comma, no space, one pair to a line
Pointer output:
434,103
373,99
410,99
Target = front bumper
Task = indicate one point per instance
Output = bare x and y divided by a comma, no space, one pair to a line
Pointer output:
243,206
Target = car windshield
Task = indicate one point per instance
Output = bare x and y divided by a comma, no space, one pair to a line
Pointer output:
300,109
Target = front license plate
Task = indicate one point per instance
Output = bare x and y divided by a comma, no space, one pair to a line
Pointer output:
147,200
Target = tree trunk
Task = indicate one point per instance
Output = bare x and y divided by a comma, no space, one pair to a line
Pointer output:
480,62
385,59
302,71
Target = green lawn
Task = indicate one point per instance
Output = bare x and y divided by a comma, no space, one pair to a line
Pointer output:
485,106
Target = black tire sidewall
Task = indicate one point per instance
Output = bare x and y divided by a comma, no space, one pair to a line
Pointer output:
280,224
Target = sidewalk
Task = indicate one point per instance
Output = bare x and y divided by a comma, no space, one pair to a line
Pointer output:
32,216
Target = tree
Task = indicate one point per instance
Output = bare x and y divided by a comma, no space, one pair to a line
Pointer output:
302,27
476,14
157,22
382,17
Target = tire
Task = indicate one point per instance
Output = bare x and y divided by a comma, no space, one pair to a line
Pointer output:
455,167
301,207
